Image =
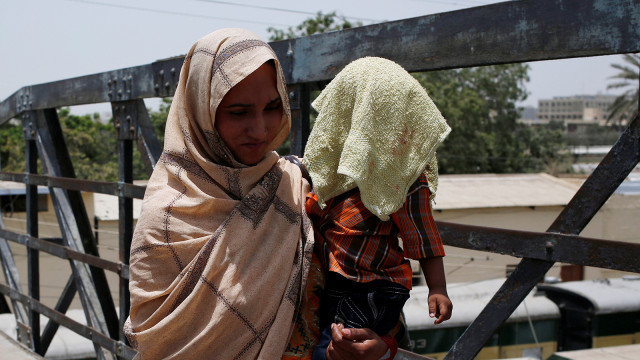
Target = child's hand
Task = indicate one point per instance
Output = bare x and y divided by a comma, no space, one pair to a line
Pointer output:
440,307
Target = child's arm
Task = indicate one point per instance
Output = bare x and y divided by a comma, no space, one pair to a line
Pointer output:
440,305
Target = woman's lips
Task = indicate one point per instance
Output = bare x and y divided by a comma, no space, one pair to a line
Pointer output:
254,145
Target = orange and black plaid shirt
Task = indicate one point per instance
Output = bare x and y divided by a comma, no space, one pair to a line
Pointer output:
358,245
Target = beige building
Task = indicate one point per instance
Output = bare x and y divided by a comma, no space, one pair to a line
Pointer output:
528,202
575,110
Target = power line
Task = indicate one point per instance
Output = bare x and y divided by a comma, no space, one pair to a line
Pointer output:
176,13
280,9
457,3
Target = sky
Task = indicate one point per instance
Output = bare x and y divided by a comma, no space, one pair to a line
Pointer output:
48,40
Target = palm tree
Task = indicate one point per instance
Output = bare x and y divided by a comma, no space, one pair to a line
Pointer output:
625,106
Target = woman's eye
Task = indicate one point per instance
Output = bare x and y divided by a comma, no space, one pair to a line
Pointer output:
277,106
238,113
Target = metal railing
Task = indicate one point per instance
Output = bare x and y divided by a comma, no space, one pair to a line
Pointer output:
509,32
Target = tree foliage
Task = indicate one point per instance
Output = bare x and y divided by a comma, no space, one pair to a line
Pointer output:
320,24
480,106
625,106
92,145
12,148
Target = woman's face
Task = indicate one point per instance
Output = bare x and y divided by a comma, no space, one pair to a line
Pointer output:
249,116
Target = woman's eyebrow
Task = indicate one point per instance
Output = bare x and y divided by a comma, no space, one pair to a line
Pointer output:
239,105
274,101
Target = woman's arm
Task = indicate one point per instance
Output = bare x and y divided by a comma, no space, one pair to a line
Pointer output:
355,344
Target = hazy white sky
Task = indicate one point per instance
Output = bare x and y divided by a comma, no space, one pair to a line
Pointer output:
47,40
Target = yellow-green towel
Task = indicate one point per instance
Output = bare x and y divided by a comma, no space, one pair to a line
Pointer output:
378,130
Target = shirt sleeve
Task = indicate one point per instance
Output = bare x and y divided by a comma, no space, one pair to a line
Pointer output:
417,228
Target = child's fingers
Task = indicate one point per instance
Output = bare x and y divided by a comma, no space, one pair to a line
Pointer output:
444,310
433,307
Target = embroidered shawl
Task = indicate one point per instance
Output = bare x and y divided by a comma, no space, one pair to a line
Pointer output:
220,253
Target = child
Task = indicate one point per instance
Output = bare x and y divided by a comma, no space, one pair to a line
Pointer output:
371,156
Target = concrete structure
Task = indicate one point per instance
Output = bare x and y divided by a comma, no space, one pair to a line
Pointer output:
576,110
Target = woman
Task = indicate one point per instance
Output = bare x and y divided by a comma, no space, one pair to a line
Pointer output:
222,250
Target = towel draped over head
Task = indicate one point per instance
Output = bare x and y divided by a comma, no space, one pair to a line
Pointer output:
377,130
220,252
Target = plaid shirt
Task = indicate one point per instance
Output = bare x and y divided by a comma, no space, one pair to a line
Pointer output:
358,245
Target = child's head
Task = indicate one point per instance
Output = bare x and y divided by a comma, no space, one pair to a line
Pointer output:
376,129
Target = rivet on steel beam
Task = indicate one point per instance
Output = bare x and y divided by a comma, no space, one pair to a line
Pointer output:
173,71
132,129
290,50
548,245
292,95
162,72
167,84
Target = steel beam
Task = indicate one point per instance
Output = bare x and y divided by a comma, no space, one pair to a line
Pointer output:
148,143
300,103
527,31
99,339
33,256
76,228
593,193
126,122
64,301
12,279
546,246
64,252
102,187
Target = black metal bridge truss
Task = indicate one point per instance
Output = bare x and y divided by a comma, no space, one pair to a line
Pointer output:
509,32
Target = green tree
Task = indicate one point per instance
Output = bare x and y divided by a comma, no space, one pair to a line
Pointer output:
320,24
480,106
625,106
92,146
12,147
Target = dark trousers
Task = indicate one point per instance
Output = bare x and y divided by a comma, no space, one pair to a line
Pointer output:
376,305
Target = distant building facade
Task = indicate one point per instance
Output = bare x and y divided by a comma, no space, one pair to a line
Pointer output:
576,110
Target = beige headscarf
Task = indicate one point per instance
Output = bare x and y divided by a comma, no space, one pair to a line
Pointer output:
378,130
221,250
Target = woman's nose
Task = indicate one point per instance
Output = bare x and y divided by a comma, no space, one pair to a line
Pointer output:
257,126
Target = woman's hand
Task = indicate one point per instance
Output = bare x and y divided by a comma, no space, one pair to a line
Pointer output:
355,344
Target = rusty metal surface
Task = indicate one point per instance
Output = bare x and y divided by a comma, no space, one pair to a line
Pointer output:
101,187
507,32
62,305
60,251
75,227
526,31
100,340
545,246
148,143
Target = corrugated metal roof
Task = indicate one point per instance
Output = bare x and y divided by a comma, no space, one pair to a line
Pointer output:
502,190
